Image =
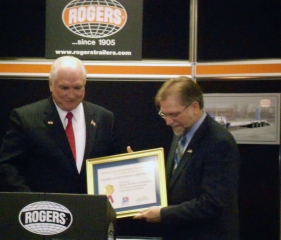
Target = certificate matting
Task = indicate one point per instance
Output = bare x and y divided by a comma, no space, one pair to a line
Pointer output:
131,181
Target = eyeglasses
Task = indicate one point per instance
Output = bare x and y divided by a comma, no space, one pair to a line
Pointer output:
172,115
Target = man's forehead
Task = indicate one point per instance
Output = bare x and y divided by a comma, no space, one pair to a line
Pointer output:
70,63
171,100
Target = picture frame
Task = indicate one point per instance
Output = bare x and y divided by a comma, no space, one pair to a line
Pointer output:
252,118
132,181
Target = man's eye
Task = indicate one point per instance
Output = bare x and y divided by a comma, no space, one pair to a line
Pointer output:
173,115
63,88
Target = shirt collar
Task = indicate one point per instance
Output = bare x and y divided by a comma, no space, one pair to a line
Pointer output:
75,112
190,133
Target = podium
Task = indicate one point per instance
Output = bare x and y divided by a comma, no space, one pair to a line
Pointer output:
34,216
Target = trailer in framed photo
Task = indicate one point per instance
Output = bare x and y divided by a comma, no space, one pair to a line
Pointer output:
131,181
252,118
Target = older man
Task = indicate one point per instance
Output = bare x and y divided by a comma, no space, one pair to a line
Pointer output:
46,148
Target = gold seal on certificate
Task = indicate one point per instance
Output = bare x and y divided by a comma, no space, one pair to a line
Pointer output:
108,190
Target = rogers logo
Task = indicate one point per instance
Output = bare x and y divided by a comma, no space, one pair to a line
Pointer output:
45,218
94,18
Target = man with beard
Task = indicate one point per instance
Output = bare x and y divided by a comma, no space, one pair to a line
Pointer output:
202,169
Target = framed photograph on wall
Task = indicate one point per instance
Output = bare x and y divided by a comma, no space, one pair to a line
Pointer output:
250,118
131,181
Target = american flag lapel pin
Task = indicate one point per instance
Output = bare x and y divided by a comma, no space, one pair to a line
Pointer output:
93,123
50,122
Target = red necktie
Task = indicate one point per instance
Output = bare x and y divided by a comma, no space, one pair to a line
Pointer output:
70,134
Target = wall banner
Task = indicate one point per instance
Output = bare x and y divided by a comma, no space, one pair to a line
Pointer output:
94,29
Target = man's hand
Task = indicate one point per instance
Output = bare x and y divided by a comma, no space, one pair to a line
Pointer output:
151,214
129,149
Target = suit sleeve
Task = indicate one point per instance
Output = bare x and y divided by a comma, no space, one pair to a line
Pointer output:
13,156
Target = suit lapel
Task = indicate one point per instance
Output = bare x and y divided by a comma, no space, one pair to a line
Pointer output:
91,122
54,124
170,160
188,153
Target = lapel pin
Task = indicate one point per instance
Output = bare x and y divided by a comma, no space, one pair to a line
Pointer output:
93,123
50,122
189,150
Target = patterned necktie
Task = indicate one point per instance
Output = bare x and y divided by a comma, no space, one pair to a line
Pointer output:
179,151
70,134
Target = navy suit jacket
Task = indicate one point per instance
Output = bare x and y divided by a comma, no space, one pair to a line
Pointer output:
35,154
202,191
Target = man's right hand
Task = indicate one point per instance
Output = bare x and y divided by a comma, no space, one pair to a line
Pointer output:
129,149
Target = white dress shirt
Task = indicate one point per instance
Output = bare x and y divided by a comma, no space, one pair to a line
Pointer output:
79,128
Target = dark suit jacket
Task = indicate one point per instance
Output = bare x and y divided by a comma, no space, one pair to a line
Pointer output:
202,192
36,156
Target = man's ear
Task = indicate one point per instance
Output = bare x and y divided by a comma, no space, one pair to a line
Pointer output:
50,85
196,106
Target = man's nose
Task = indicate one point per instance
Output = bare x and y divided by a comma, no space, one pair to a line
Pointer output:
71,93
168,120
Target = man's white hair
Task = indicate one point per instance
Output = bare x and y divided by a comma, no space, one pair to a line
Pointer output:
66,61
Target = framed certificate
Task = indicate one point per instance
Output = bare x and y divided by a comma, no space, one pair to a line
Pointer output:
131,181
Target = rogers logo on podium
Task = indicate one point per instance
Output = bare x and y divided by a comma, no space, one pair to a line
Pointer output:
45,218
94,18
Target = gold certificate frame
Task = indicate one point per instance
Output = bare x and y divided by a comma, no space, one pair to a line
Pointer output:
131,181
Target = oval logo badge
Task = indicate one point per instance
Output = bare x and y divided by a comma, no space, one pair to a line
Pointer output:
45,218
265,103
94,18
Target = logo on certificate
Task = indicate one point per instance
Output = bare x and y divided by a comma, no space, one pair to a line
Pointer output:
125,200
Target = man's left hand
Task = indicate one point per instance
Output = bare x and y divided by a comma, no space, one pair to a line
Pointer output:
151,214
